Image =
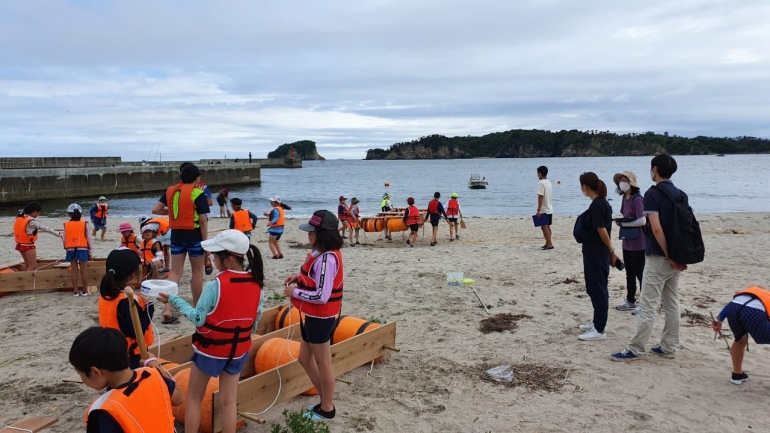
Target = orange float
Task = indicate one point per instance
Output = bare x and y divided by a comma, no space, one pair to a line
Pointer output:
276,352
397,225
6,271
373,224
348,327
182,379
287,316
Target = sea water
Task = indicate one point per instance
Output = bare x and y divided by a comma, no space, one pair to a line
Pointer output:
733,183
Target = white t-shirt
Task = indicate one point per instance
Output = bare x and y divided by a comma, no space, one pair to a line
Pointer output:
545,189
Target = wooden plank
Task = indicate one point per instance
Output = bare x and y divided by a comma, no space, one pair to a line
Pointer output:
48,278
180,350
33,424
256,393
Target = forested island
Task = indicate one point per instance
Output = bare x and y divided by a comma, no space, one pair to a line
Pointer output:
304,149
521,143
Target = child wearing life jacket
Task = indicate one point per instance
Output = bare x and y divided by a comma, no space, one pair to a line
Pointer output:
242,219
318,294
342,214
453,212
99,216
275,223
747,314
354,212
435,213
162,235
412,220
386,206
25,230
138,400
225,317
151,252
127,237
187,208
122,270
79,246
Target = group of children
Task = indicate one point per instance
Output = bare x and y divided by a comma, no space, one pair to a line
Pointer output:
350,217
140,393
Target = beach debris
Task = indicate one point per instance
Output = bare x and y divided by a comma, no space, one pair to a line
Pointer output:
501,373
570,281
501,302
695,319
501,322
703,300
483,304
534,377
719,333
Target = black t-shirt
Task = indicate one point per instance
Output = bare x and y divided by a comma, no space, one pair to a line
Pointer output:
599,215
655,202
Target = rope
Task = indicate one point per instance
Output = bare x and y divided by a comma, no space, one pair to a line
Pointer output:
34,274
10,427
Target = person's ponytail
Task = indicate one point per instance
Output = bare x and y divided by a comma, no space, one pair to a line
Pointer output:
108,288
602,190
256,266
285,206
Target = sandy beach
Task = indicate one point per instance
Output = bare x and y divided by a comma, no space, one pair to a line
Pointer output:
434,383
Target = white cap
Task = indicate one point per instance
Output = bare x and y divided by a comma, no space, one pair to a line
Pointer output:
232,241
154,227
276,199
74,207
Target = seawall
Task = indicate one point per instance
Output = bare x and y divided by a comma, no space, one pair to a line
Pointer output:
59,162
24,185
263,162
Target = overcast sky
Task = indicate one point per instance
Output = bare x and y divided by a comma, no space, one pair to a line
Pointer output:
198,79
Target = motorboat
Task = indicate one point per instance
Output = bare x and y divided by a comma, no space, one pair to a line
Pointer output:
477,181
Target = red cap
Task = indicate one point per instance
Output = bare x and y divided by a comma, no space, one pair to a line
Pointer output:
342,197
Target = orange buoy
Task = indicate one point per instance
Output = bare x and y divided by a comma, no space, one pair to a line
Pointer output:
287,316
348,327
558,182
276,352
6,271
396,225
182,379
373,224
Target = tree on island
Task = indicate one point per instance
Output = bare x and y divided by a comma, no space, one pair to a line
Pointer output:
305,150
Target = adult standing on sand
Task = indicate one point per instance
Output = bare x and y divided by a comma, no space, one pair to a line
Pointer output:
545,204
660,281
187,207
593,229
25,230
342,215
632,233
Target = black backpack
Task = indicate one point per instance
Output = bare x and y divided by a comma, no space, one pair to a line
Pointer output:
685,243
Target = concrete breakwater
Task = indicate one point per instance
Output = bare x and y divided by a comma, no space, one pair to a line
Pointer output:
60,162
23,185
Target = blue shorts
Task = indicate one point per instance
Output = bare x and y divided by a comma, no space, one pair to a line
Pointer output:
100,224
192,249
277,236
434,219
214,366
80,255
749,320
316,330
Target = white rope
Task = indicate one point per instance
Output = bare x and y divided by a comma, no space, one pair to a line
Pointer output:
18,428
34,274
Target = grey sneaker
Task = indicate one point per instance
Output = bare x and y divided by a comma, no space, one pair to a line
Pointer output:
636,310
625,306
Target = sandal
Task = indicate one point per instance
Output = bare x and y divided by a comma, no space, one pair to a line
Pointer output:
170,320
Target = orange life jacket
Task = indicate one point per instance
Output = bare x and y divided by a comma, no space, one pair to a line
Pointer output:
129,242
353,213
161,222
242,221
227,331
342,212
101,211
20,231
281,219
147,254
181,207
763,295
414,215
108,317
333,306
433,206
75,235
143,406
453,208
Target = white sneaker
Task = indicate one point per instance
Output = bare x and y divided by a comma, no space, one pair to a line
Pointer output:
592,335
636,310
76,294
587,326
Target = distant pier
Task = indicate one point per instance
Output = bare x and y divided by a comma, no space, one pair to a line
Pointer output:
27,179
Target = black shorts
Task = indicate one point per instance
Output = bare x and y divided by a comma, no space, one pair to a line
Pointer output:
221,201
434,219
550,219
414,227
452,220
317,331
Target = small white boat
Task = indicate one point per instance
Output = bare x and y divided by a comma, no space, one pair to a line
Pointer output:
477,181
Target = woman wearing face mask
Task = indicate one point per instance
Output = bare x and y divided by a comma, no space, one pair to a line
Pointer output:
632,233
593,229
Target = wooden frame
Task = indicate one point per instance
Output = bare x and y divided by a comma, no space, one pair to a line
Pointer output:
33,424
51,277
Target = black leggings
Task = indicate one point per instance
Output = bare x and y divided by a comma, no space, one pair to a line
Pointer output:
634,261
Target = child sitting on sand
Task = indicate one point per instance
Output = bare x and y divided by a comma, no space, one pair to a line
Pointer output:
128,238
747,315
225,317
151,252
122,270
79,246
136,400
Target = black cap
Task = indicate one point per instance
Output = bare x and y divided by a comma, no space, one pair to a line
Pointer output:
122,263
236,201
321,220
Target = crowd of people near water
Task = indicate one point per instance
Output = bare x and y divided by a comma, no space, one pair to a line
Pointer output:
660,239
